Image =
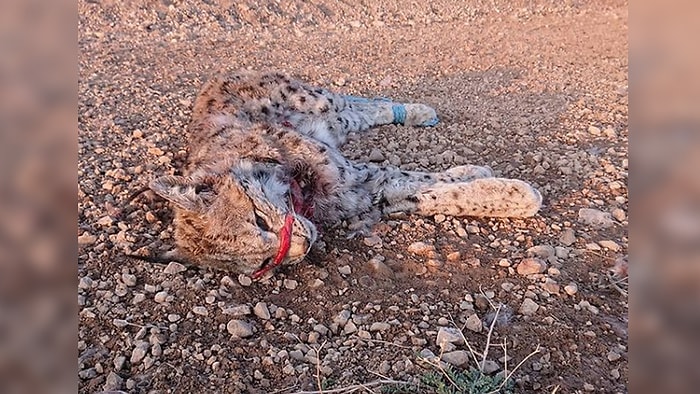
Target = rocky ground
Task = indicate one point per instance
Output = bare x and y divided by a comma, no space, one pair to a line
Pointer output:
536,91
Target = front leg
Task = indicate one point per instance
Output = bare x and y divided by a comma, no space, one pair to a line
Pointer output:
486,197
460,191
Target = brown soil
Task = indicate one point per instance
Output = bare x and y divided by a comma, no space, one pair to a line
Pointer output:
536,91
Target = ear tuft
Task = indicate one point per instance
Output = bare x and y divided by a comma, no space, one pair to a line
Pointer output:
181,191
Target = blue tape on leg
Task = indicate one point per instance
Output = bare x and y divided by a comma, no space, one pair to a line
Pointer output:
399,113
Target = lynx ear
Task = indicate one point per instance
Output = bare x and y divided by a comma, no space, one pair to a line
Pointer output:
189,194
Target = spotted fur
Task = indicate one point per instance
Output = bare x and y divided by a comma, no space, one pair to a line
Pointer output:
258,139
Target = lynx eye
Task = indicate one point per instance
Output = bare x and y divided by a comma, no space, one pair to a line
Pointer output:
260,222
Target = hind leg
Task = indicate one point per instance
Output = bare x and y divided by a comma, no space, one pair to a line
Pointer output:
330,117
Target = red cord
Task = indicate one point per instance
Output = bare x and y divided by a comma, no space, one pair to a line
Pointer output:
285,244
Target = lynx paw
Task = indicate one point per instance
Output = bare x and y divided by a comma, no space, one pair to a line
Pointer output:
419,115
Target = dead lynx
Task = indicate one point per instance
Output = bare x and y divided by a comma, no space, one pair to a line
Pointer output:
264,172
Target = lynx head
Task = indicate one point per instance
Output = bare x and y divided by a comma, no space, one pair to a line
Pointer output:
235,220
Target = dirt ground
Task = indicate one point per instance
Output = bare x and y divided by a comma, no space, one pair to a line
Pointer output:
536,90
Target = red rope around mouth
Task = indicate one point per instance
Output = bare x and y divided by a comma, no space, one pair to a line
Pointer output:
285,244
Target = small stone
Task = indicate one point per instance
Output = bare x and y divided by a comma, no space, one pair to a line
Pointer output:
297,355
587,306
610,132
439,218
376,156
561,252
615,185
490,367
615,374
551,286
443,321
342,317
531,266
321,329
613,356
542,251
138,354
504,263
200,310
619,214
113,382
384,367
588,387
593,246
137,133
173,317
288,369
174,268
422,249
595,218
449,335
238,310
380,269
457,358
362,334
281,313
313,337
290,284
345,270
594,130
349,328
427,354
481,302
150,217
161,297
120,323
454,256
553,271
567,237
507,286
129,279
373,241
611,245
85,283
244,280
472,229
528,307
474,323
239,328
379,326
316,283
119,362
105,221
86,239
473,262
260,309
571,288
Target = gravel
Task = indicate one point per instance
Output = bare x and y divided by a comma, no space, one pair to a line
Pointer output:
371,303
